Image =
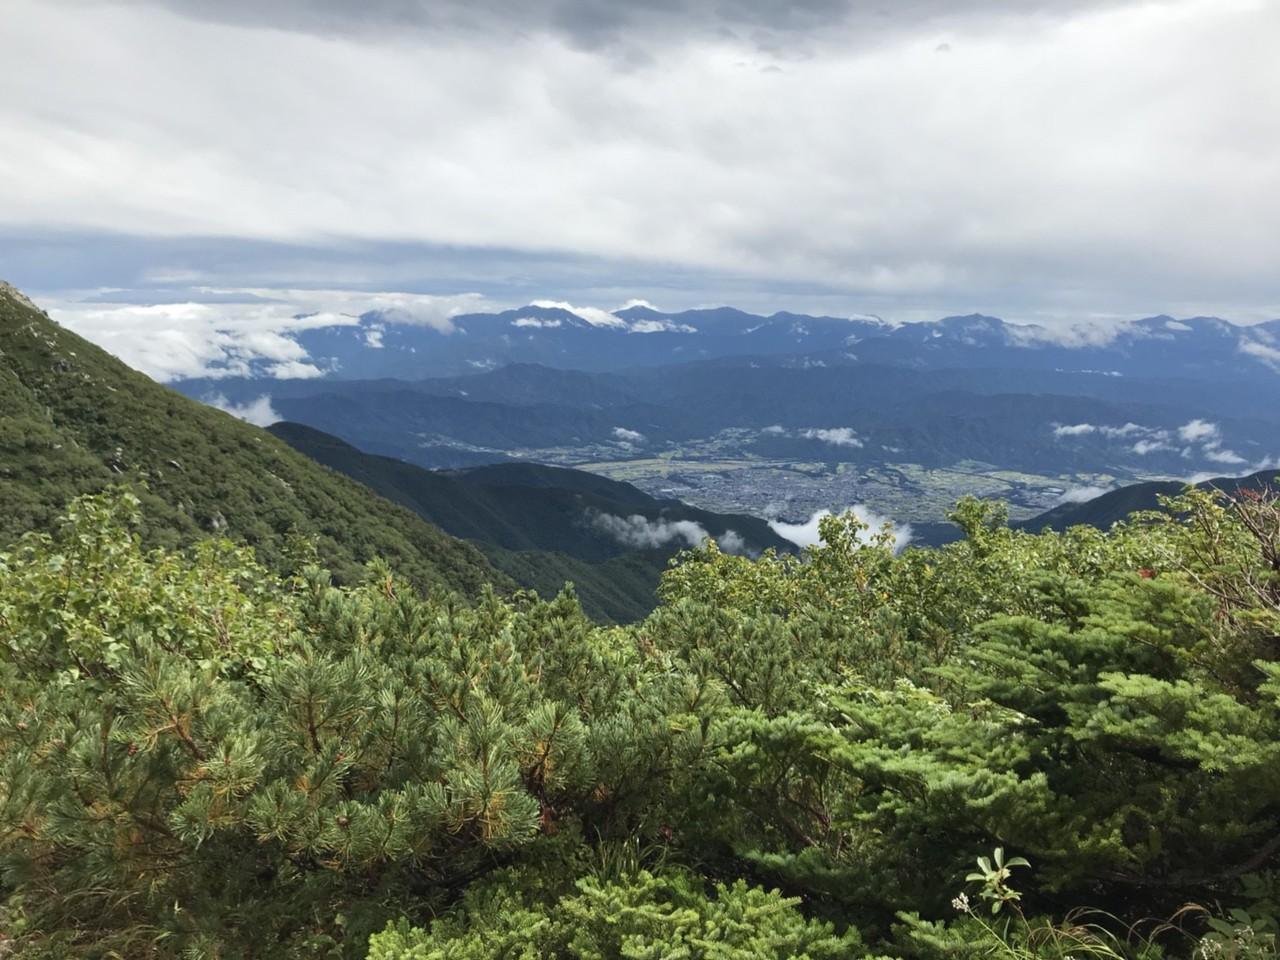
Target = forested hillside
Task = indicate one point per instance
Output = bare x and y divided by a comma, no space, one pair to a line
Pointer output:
1054,745
1115,505
75,420
544,526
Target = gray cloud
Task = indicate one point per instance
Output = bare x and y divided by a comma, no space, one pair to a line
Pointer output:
591,24
1045,168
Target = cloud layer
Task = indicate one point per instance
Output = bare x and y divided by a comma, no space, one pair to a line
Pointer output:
237,331
1030,158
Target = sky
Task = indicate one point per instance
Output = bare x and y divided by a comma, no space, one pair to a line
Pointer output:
176,166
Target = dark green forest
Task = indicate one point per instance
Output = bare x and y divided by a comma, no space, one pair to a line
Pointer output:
1053,745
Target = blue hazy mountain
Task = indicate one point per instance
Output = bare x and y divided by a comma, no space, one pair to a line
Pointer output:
1157,397
377,345
385,345
785,407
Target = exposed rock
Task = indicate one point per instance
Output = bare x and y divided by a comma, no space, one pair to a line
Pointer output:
13,293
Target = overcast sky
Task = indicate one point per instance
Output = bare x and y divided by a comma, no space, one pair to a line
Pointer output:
910,158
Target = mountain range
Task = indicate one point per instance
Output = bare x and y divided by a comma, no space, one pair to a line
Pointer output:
850,411
77,420
345,466
787,414
390,344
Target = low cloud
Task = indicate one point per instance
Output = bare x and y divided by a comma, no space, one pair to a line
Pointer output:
1261,351
1209,436
1195,431
1074,430
1081,495
1218,455
808,534
536,323
259,412
593,315
227,332
630,436
1086,429
732,542
1144,447
641,533
294,370
1197,438
836,436
645,534
660,326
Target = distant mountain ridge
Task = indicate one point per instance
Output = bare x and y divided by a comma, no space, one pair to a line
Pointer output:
1115,505
388,344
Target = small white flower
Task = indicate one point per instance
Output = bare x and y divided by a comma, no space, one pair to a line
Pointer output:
1209,947
961,903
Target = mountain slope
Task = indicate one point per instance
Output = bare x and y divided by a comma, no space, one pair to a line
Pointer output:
544,525
77,420
1116,505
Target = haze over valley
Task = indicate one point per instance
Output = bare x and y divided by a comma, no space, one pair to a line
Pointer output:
786,415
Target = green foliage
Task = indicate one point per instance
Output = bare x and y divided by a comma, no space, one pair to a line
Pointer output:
994,874
533,521
76,420
196,755
790,757
620,589
641,917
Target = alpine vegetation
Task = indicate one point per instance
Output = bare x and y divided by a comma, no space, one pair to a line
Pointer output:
789,757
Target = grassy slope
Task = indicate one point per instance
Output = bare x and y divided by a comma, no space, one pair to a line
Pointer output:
77,420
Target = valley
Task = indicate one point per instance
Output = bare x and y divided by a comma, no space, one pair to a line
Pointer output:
557,474
907,492
718,474
783,416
